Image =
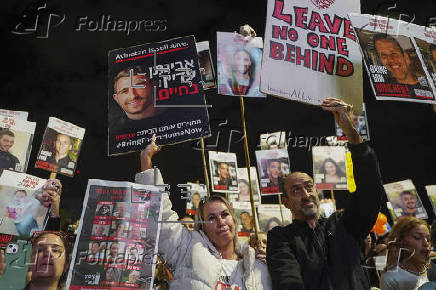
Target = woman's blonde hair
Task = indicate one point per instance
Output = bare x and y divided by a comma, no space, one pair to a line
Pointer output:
226,203
400,230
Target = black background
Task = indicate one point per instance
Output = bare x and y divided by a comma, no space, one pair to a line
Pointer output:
65,76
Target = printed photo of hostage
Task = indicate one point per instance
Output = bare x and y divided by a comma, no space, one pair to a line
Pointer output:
405,200
239,61
16,137
271,217
158,94
329,167
198,192
223,170
273,166
428,52
22,209
206,65
244,187
393,63
60,147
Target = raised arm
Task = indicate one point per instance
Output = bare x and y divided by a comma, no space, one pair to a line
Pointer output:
174,237
360,215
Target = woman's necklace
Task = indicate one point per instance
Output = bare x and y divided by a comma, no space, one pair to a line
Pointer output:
417,273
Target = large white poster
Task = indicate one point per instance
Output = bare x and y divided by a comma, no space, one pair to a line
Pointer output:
311,53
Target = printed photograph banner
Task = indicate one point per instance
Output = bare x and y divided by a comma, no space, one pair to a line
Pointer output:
330,167
60,148
198,192
16,136
431,193
21,204
155,88
272,166
206,65
360,123
239,64
224,176
276,140
405,200
14,114
244,189
242,212
270,216
118,236
311,52
392,60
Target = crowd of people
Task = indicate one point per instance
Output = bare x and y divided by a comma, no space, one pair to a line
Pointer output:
313,252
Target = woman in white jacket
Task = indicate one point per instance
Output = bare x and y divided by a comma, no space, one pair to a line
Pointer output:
208,258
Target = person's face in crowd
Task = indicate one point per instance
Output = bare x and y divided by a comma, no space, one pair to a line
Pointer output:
409,201
246,220
396,62
330,168
133,276
196,200
244,188
48,258
221,230
272,225
95,247
274,169
20,197
301,196
223,171
135,101
190,226
114,249
241,62
6,142
63,145
418,242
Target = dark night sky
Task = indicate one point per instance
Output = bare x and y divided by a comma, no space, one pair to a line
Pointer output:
65,75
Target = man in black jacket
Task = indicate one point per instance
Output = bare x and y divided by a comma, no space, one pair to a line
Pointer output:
315,253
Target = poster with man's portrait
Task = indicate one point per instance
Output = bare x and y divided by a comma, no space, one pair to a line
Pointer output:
238,60
60,147
23,209
155,88
272,166
223,171
330,167
244,217
431,193
276,140
270,216
16,136
404,199
391,59
198,193
206,65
